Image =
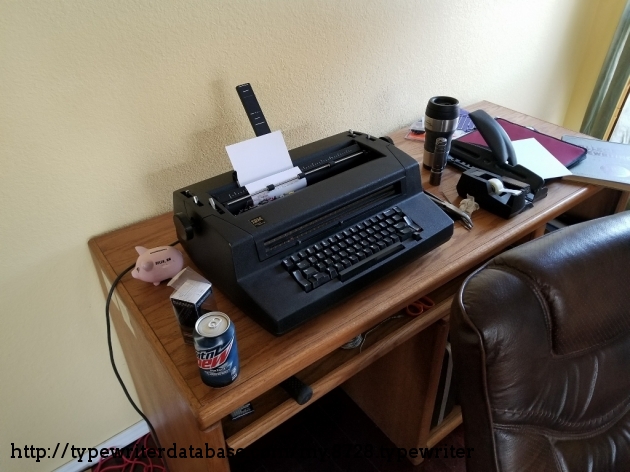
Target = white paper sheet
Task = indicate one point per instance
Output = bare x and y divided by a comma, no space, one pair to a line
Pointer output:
533,155
259,157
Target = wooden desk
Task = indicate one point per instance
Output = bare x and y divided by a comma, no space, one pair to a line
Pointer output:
394,378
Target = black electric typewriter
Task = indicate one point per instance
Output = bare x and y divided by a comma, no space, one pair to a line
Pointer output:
361,214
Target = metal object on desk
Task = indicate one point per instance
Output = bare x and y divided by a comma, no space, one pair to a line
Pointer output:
452,211
439,161
440,121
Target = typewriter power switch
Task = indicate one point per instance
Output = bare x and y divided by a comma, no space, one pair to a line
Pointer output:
183,227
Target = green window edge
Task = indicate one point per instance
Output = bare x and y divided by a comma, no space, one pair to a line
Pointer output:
611,82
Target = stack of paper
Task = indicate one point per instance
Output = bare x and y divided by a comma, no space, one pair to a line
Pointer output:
606,164
535,157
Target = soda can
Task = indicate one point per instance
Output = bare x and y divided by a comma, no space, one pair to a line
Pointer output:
217,352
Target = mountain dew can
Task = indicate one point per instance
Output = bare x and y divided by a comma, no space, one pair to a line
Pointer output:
217,353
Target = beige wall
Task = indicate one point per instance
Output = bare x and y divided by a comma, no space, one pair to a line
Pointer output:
108,106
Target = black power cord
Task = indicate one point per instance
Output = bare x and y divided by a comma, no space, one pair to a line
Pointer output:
111,350
111,353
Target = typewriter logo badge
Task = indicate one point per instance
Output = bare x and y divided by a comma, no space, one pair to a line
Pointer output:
258,221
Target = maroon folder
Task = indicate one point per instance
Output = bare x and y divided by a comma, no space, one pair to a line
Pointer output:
568,154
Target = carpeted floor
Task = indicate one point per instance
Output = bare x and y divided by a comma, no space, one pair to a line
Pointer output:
332,421
124,464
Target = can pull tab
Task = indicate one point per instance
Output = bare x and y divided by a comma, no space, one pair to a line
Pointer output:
214,322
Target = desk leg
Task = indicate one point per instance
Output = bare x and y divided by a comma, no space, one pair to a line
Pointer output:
398,391
538,232
622,203
167,409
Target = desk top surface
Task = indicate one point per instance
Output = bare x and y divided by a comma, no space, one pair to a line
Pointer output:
266,360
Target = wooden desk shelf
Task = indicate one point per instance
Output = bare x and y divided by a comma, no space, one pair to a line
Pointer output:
275,406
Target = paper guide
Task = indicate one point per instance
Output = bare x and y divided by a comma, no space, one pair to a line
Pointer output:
263,161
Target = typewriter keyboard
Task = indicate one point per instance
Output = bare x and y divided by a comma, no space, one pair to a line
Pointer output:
353,250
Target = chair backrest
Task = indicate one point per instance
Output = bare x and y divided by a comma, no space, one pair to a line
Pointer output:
541,346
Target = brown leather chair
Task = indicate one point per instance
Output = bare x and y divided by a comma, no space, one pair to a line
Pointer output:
541,347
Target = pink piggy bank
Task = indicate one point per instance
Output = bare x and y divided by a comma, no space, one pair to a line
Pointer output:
157,264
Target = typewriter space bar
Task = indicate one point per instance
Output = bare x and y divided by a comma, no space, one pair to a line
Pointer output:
369,262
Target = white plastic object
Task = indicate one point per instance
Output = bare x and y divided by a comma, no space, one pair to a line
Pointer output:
498,188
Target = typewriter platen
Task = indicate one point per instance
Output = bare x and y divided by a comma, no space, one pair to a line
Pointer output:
362,214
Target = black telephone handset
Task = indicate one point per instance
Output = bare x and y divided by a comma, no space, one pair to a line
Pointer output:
496,137
499,157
